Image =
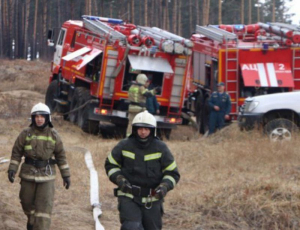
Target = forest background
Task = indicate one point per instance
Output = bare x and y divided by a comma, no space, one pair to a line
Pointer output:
24,24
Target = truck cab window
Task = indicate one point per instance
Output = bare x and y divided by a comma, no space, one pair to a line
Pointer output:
61,37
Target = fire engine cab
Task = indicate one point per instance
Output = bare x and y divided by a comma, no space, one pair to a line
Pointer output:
250,59
97,59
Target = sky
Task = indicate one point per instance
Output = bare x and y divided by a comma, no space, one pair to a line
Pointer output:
295,8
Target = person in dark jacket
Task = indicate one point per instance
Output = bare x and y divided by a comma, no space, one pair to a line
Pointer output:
144,170
38,144
220,107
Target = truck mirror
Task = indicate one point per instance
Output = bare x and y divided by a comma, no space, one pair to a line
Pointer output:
49,34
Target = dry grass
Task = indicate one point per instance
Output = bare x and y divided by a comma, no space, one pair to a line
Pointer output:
231,180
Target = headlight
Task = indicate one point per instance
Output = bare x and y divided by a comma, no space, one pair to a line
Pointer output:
252,106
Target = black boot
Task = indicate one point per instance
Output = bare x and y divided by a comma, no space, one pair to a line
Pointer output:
29,227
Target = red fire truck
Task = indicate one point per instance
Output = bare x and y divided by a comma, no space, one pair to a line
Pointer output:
250,59
97,59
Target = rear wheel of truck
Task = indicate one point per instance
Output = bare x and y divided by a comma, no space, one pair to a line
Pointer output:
280,129
88,126
51,94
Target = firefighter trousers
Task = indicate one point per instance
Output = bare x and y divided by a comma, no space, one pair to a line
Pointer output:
216,121
134,216
131,115
37,201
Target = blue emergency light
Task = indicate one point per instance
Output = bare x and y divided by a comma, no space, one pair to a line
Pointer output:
103,19
239,27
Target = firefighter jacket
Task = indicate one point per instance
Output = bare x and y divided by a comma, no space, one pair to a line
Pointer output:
142,166
39,145
137,95
222,100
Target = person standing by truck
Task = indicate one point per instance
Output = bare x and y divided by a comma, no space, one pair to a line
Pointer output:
137,95
220,107
42,148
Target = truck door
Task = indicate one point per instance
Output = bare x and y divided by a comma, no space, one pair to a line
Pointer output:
59,46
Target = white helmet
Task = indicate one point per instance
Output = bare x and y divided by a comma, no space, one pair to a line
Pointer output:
141,79
144,119
40,108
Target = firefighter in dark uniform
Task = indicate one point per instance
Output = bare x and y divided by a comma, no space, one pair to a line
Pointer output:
144,170
42,148
137,95
220,107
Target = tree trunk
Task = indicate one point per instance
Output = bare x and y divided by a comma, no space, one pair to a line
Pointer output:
132,11
249,13
174,17
34,28
1,30
220,12
207,11
204,12
242,12
179,18
26,43
197,12
273,11
190,16
45,12
128,10
146,12
167,16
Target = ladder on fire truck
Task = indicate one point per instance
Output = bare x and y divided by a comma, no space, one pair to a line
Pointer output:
231,58
98,27
95,25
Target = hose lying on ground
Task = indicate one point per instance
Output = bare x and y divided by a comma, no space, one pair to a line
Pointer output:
94,189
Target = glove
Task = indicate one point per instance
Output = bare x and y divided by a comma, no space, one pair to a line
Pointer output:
123,184
157,90
67,182
11,176
161,191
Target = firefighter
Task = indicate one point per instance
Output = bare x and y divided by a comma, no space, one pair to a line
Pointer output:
38,143
144,170
137,95
220,107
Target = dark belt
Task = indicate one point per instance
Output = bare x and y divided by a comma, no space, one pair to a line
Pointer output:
137,191
39,163
138,104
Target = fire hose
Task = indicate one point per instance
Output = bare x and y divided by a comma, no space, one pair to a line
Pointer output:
94,188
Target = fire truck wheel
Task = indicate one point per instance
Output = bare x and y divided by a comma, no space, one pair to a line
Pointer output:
75,103
51,94
280,129
88,126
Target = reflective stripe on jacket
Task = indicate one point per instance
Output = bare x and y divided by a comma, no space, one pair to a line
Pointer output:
39,145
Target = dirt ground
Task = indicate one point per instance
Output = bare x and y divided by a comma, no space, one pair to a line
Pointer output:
231,180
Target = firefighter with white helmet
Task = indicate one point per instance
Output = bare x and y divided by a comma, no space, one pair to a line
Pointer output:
42,148
144,170
137,95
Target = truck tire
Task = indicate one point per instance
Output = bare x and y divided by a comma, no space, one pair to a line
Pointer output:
280,129
51,94
75,103
88,126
